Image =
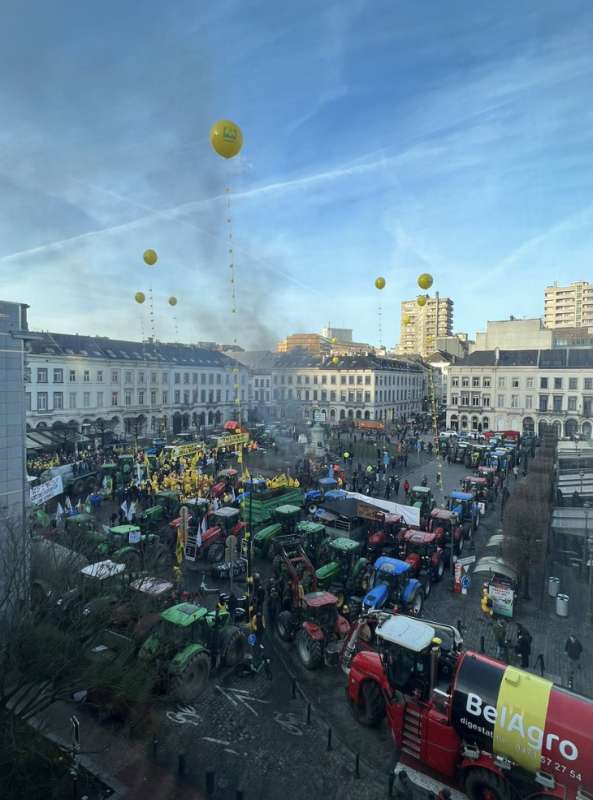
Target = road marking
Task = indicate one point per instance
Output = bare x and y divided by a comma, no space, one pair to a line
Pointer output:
185,715
289,723
242,697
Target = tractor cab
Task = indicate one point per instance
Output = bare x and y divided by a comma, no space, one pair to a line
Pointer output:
421,498
488,474
128,545
383,536
346,572
314,540
410,655
169,502
316,496
464,505
223,523
392,585
477,486
284,526
461,452
102,588
447,526
477,454
425,555
150,519
228,519
147,598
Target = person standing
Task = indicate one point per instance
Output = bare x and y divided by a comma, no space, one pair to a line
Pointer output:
396,485
523,645
500,635
573,649
406,487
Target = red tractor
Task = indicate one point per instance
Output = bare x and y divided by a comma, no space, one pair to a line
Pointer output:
383,537
447,526
478,486
211,543
423,552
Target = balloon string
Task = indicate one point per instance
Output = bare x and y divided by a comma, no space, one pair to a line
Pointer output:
232,274
380,326
152,318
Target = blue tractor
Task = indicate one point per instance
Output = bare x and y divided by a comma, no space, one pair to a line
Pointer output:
468,511
328,490
393,587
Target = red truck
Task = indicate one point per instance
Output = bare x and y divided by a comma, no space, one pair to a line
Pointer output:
492,730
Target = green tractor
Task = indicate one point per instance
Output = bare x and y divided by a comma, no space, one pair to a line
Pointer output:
169,502
285,522
314,541
421,497
128,545
188,643
346,575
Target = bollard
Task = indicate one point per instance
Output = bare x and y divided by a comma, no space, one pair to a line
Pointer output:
539,662
210,782
482,645
329,738
357,766
294,686
239,794
459,625
155,744
181,764
390,784
308,713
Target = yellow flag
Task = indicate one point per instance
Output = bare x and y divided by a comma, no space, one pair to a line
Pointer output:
180,549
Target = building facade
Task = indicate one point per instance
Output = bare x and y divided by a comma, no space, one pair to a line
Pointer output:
295,385
569,306
523,390
420,326
97,385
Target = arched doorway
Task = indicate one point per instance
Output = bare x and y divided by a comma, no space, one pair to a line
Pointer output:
367,414
485,423
350,413
528,425
557,428
358,414
542,426
210,418
342,414
586,430
454,422
570,427
177,422
185,422
475,422
332,413
464,422
218,418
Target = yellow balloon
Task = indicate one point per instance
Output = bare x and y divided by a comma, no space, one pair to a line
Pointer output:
335,360
150,257
407,319
226,138
380,283
422,298
425,280
172,301
139,297
334,340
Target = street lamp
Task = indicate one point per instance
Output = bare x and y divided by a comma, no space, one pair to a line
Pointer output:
589,540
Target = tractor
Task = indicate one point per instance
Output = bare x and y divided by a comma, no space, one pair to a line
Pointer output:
285,522
346,575
318,627
425,556
446,525
128,545
421,498
211,544
314,497
466,508
488,473
294,577
383,540
392,586
188,643
314,541
147,597
477,486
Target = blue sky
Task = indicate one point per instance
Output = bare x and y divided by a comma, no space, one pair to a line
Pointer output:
381,138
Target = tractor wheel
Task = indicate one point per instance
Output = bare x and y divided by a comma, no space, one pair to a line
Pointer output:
215,553
132,561
427,586
232,646
416,603
90,484
311,508
191,681
310,650
284,626
78,487
480,784
440,570
370,708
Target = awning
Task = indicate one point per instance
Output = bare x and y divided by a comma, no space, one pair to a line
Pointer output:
489,565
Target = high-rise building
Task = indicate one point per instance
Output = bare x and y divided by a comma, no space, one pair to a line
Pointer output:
313,342
420,326
341,335
569,306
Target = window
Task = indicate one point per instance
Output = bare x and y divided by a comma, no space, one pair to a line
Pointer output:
543,383
153,378
476,400
128,397
475,382
528,401
465,381
332,380
486,382
454,398
27,374
501,400
588,384
164,378
41,375
367,380
72,376
324,380
186,396
455,381
72,400
86,400
99,399
572,404
573,384
114,398
41,401
128,376
307,380
464,398
186,378
58,401
515,383
299,379
140,397
351,380
332,397
514,401
323,395
86,376
203,378
58,376
99,376
367,397
27,401
177,396
343,380
315,379
529,383
557,383
165,396
543,402
202,395
211,379
114,376
486,401
306,394
177,377
342,397
557,401
501,381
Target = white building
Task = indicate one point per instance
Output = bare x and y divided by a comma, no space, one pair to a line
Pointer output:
569,306
96,385
292,385
523,390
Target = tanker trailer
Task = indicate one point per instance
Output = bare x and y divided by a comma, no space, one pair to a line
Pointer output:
492,730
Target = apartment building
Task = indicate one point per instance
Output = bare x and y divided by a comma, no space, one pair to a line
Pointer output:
420,326
523,390
294,385
94,384
313,342
569,306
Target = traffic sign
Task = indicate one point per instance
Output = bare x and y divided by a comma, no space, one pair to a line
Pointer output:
466,560
252,640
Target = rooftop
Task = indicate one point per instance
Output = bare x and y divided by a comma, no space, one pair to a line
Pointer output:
558,358
303,359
